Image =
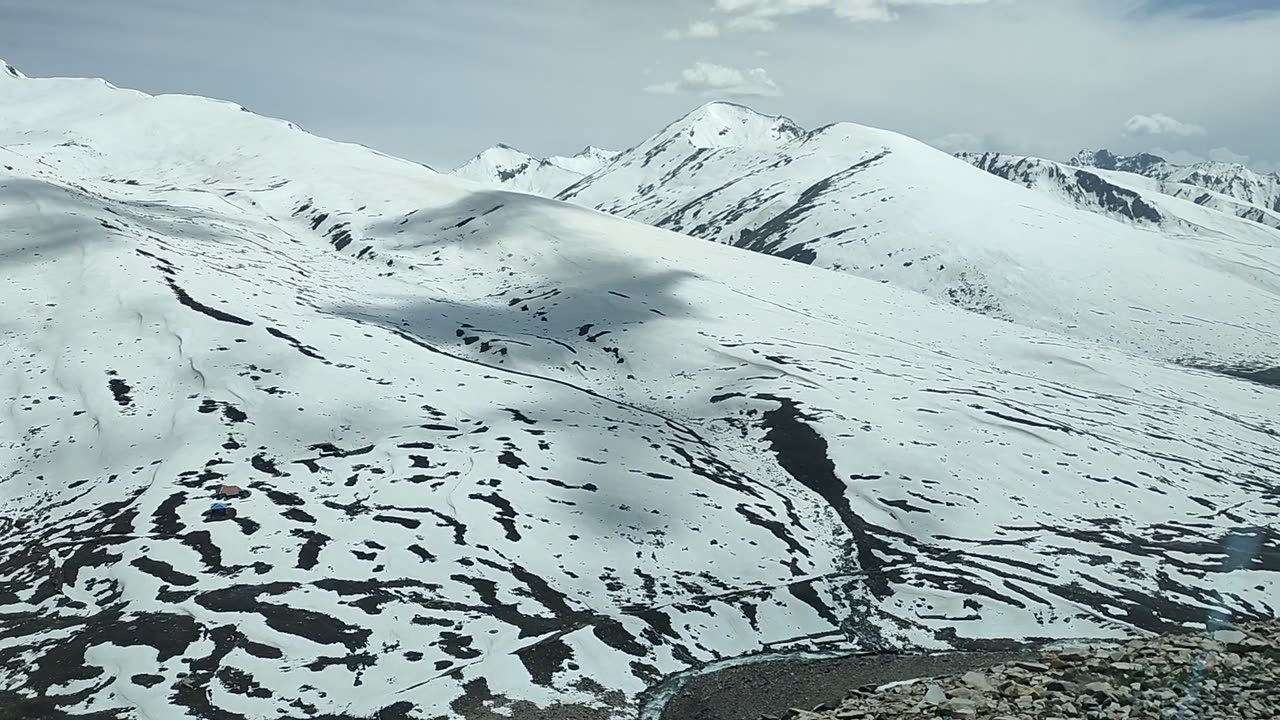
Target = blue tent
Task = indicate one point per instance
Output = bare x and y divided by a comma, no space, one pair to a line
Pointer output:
219,507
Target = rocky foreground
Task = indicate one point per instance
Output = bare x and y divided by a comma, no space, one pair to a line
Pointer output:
1223,675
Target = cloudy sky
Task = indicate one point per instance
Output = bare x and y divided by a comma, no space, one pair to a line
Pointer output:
438,80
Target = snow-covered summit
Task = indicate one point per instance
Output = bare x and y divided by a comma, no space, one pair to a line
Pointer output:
1104,159
501,162
712,126
590,159
730,125
514,169
7,70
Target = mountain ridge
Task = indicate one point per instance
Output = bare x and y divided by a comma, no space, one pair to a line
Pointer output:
1231,179
883,206
1129,196
506,166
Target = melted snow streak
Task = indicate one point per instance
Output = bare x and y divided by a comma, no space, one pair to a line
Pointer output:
530,464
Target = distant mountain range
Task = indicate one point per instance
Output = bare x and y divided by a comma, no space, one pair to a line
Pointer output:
1133,187
889,208
1230,179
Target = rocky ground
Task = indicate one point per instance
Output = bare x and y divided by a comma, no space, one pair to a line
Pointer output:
771,687
1231,673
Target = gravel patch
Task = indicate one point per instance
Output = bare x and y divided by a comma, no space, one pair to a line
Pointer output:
1232,673
746,692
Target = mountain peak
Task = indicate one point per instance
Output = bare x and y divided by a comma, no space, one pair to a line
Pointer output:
592,151
724,124
505,148
501,153
1102,159
587,161
501,163
1106,160
515,169
11,71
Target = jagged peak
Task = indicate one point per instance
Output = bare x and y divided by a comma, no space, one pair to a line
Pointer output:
1144,162
591,151
586,162
1104,159
1144,159
500,154
506,163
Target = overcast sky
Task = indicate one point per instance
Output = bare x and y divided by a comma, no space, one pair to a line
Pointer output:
438,80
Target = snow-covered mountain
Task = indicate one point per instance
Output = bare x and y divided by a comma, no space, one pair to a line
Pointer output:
1139,189
1229,179
511,169
509,457
1172,207
1081,187
885,207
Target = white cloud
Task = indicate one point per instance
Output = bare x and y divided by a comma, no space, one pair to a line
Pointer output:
762,15
751,23
705,78
699,29
1161,124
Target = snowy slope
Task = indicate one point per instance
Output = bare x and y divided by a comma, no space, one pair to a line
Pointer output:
882,206
1174,208
1229,179
509,457
512,169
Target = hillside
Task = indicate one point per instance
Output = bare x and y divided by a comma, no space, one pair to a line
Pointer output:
884,207
502,456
